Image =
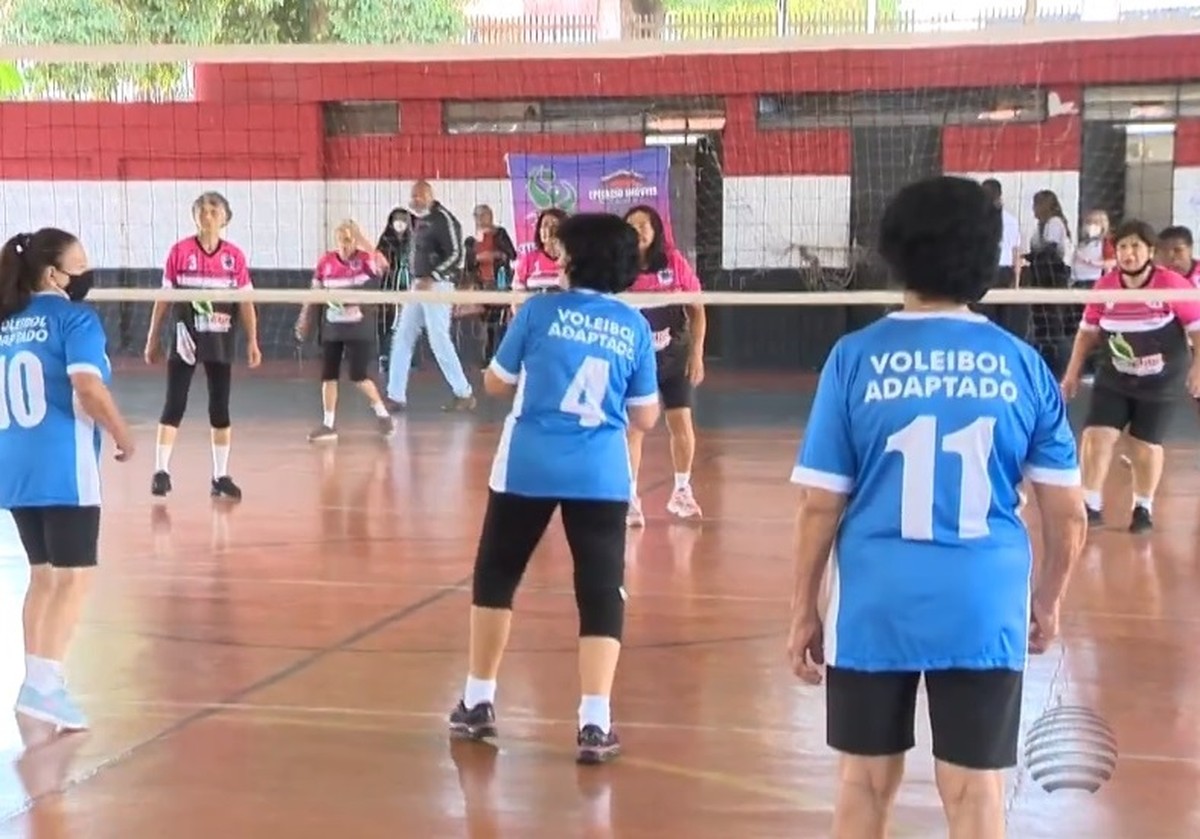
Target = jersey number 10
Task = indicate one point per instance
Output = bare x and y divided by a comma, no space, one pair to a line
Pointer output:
917,444
22,391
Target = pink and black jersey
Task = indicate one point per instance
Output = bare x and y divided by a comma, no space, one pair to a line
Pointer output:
1145,349
537,271
359,272
205,331
1193,276
669,323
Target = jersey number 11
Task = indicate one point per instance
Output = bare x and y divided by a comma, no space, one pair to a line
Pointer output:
917,445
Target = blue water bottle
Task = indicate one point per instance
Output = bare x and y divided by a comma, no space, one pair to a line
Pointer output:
502,278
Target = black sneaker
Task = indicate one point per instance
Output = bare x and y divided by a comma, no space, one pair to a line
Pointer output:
323,434
478,723
1141,521
596,746
224,487
161,484
386,426
1095,517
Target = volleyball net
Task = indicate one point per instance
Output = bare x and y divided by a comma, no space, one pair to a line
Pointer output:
771,160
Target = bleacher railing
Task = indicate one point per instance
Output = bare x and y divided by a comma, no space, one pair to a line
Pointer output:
782,22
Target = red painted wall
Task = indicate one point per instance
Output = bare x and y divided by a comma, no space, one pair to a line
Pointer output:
263,121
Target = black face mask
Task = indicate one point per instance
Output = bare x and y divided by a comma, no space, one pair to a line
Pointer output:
1137,272
79,285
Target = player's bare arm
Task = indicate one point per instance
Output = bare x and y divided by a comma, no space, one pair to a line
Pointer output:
250,324
816,527
1062,544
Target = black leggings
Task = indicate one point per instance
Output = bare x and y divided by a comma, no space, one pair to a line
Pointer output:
512,527
357,355
495,320
179,383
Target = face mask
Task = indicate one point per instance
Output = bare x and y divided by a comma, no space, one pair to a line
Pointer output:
78,286
418,211
1092,231
399,226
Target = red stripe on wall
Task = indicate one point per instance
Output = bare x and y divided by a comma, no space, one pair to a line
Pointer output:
185,140
1052,145
1187,142
1064,62
462,157
248,136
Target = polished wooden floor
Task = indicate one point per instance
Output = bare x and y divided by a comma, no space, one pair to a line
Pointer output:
283,668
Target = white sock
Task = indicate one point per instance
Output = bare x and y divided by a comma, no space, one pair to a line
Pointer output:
1093,500
329,418
220,461
683,480
479,691
162,458
380,410
595,710
42,674
1143,501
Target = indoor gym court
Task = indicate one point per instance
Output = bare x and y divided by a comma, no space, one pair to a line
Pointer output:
286,666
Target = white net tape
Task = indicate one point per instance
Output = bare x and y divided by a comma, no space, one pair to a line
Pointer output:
1020,296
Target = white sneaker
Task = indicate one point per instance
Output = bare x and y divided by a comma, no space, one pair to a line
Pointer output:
634,517
683,504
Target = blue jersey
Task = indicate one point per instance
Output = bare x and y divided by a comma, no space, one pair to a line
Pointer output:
929,422
578,359
49,448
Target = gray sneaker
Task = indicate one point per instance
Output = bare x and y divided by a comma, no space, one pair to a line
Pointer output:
322,434
460,403
386,425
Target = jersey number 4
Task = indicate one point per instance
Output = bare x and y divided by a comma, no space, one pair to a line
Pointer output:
22,391
585,395
917,445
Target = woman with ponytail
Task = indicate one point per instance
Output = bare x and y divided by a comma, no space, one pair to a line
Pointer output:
54,399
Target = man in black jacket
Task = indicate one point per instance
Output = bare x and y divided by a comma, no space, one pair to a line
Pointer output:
435,255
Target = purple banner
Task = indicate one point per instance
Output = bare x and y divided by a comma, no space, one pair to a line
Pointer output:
611,182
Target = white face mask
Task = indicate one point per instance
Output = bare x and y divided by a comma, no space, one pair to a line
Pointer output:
1092,231
399,226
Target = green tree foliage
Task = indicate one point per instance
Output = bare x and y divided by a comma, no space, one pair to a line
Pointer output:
203,22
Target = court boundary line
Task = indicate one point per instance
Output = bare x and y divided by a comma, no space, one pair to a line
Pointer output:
211,710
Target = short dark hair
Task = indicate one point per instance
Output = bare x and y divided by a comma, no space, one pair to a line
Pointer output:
993,188
656,254
213,197
601,252
23,260
1176,233
1137,228
941,239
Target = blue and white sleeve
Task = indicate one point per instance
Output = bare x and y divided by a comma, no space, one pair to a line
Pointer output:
506,364
1053,457
643,383
85,342
827,459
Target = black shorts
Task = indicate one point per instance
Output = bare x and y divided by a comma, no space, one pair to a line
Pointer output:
514,525
358,360
63,537
1146,418
674,386
975,714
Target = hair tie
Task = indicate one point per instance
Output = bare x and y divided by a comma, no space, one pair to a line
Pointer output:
24,240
